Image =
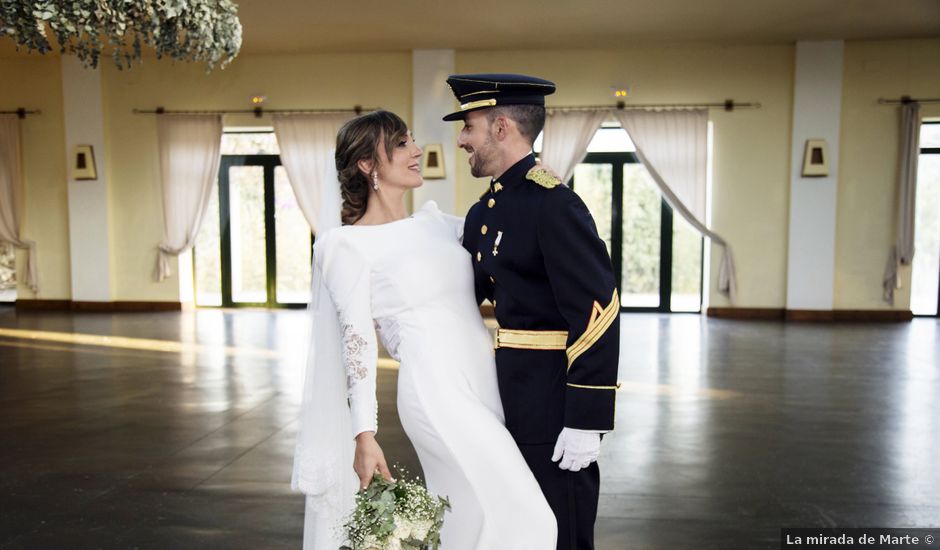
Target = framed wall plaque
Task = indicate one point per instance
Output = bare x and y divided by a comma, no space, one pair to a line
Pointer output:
432,164
83,163
815,159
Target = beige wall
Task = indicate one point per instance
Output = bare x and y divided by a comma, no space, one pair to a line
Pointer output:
35,82
751,164
868,163
752,146
288,81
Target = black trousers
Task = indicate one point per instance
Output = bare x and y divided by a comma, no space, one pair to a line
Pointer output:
572,496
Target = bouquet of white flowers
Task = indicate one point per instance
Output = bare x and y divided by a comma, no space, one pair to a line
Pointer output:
396,515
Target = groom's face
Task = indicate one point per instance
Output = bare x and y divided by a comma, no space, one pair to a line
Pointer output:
477,138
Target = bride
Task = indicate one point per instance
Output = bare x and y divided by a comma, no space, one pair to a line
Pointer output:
409,278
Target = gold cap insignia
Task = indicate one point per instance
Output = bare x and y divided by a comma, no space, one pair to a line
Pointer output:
543,176
478,104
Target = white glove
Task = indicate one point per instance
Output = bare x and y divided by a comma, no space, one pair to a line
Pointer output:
577,449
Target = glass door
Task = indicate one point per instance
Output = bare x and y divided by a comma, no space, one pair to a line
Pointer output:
244,233
643,244
292,245
262,239
657,258
925,276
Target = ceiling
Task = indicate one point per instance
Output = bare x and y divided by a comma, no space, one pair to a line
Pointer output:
370,25
380,25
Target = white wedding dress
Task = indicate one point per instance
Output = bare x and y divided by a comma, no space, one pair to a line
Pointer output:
413,281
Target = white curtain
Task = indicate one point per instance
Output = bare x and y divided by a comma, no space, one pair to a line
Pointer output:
11,196
307,142
190,147
565,139
672,145
902,253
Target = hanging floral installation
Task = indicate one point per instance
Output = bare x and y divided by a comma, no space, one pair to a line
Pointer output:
187,30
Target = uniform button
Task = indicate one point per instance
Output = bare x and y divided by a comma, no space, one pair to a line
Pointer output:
492,280
491,202
479,256
483,230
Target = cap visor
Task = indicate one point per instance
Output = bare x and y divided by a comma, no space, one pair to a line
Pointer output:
460,115
455,116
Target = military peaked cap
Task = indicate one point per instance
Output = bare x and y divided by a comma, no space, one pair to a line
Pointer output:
481,91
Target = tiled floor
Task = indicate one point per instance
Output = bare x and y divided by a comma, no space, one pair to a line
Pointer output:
726,431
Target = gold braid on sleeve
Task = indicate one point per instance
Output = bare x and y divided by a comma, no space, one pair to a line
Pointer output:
600,321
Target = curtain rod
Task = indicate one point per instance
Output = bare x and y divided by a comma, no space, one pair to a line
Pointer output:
21,112
257,111
907,99
727,105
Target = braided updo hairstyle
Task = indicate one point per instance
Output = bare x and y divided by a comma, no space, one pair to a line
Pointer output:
359,139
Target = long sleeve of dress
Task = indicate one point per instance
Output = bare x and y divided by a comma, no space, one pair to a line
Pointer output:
346,275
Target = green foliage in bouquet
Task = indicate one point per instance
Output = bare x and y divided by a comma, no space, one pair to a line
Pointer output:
187,30
396,515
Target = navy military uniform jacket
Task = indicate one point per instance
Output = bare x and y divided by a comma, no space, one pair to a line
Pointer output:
537,256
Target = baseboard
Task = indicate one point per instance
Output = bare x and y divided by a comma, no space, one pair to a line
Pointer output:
104,307
43,305
813,315
746,313
874,315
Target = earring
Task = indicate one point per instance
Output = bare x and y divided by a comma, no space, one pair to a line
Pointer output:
375,181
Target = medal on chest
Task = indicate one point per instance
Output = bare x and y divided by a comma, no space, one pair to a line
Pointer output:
499,237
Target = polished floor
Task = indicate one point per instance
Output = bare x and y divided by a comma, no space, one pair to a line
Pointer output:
175,430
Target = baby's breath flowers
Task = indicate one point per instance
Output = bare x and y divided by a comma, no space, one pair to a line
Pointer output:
396,515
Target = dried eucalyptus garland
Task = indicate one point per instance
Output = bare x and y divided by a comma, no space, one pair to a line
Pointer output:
189,30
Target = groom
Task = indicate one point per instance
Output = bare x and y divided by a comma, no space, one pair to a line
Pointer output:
538,258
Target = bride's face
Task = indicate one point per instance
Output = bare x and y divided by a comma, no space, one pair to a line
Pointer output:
404,168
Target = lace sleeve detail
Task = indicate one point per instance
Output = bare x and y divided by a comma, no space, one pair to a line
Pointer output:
354,347
348,279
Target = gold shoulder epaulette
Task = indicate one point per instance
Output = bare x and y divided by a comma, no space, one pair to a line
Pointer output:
543,176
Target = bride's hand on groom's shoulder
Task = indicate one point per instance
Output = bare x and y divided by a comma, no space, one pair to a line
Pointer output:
369,459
